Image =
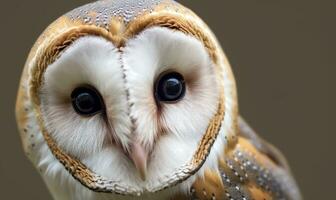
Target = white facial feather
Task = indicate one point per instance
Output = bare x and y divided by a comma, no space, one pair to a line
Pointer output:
96,62
126,81
151,53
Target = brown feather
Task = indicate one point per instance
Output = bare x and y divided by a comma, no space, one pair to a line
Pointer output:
247,172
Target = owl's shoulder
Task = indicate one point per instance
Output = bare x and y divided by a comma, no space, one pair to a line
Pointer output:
251,169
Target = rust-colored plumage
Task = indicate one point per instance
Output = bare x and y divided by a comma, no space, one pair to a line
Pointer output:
246,172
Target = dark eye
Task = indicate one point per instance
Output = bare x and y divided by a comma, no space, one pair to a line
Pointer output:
170,87
86,101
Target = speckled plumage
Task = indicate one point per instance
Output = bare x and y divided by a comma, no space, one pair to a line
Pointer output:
100,13
248,173
248,167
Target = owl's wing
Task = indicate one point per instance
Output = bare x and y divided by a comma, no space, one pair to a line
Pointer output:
252,169
263,146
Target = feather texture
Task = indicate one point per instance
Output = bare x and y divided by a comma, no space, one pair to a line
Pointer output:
198,147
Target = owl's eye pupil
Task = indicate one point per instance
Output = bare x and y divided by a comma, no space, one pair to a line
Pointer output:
86,101
170,87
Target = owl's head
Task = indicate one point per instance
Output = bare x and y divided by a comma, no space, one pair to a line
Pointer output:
127,97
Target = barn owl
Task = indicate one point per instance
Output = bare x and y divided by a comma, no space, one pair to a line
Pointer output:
135,99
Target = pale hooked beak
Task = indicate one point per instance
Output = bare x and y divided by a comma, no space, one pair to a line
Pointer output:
139,156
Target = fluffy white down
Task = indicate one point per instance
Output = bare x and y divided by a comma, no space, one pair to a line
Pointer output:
125,79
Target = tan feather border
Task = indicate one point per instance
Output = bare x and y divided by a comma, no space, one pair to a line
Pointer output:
58,45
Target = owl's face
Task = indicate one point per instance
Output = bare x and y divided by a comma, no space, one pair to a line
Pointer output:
136,112
134,106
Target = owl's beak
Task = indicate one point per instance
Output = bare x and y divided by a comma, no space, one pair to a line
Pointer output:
139,157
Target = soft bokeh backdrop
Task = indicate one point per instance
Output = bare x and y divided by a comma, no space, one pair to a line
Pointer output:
281,53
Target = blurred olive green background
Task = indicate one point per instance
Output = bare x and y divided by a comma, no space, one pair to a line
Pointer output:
281,53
